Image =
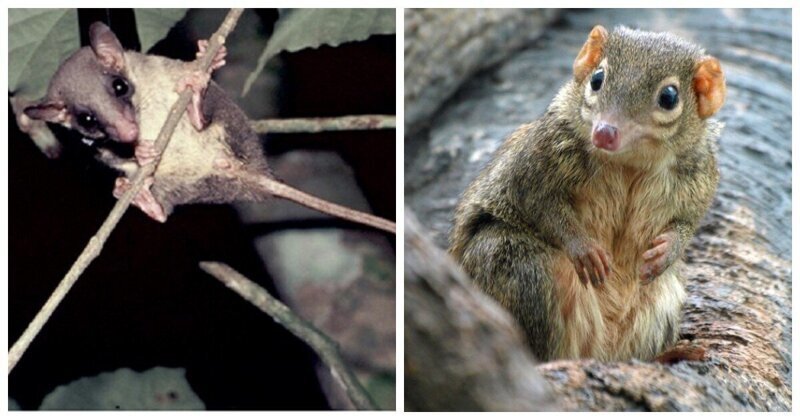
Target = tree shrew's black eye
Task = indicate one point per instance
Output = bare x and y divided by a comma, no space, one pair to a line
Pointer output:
120,86
597,79
87,120
668,98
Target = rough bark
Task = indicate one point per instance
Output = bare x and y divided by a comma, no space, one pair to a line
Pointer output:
463,352
738,265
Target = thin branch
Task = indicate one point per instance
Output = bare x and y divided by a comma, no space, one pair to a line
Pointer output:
316,125
95,245
326,348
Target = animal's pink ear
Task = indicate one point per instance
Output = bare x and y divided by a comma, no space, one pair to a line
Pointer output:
709,86
591,53
106,46
54,112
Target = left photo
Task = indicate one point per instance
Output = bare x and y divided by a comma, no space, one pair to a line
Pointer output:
202,209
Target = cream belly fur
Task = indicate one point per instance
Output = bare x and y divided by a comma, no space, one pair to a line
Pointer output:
153,101
622,318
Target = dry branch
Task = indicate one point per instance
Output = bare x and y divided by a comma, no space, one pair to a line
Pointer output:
317,125
95,245
326,348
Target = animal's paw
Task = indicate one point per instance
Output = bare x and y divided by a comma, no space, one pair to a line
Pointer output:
219,57
682,352
591,261
144,199
197,81
145,152
664,250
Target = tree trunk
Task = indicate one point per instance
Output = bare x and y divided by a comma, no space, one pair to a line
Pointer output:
463,352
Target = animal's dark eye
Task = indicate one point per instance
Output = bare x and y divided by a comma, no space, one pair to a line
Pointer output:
597,79
668,98
120,86
87,120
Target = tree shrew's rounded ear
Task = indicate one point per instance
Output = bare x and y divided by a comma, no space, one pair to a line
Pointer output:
709,86
591,53
106,46
54,112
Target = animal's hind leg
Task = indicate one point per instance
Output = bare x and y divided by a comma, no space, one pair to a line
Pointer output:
144,198
198,82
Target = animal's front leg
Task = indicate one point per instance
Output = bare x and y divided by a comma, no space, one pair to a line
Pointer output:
197,81
664,250
145,152
591,261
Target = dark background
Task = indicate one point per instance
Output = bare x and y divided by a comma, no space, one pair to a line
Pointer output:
144,302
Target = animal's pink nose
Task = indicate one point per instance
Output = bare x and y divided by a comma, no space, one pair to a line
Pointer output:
605,136
125,131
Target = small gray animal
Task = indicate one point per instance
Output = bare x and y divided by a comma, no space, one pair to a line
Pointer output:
104,91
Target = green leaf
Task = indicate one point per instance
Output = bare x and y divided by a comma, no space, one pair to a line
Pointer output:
154,24
297,29
379,268
38,40
381,387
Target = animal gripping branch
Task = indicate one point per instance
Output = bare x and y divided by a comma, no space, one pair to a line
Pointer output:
95,245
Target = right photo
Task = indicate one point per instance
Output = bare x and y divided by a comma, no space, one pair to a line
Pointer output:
598,210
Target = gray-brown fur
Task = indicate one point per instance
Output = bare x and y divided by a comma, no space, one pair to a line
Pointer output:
245,143
549,195
83,85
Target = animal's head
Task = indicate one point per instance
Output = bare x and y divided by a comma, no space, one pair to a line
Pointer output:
90,91
645,92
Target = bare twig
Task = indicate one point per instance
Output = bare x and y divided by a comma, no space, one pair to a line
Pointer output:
326,348
95,245
316,125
